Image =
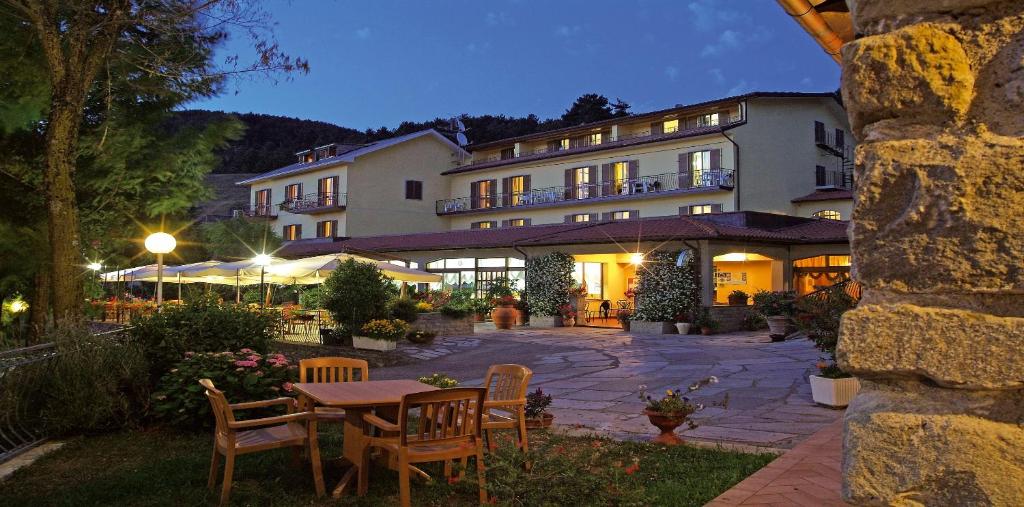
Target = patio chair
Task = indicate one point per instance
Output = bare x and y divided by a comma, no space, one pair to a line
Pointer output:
327,370
446,427
296,430
505,406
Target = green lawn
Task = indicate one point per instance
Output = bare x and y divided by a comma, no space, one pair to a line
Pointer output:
168,468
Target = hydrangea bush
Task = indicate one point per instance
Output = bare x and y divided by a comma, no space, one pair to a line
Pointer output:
549,282
243,376
665,290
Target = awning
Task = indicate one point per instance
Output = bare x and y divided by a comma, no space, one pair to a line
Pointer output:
313,270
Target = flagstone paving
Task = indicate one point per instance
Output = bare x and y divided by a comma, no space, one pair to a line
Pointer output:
594,375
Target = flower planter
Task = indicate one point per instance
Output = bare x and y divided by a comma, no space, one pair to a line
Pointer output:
521,317
738,301
777,325
545,321
667,423
568,321
706,331
365,342
648,327
544,421
683,327
504,317
479,317
625,325
834,392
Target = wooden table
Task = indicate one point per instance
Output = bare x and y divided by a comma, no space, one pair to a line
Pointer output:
358,398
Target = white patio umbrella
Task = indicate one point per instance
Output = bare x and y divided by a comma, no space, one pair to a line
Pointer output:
313,270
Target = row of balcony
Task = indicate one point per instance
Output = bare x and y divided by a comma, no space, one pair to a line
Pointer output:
826,179
644,186
309,203
584,143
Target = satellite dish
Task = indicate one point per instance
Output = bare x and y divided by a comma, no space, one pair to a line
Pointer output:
461,138
684,256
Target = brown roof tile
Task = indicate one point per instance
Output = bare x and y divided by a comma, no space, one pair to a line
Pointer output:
825,195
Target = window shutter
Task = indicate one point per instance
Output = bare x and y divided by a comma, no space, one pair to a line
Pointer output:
569,184
568,219
334,228
634,169
840,138
506,191
528,221
716,159
474,225
526,183
319,229
723,117
298,231
684,210
657,128
594,217
716,208
607,176
634,214
408,189
494,194
606,216
819,176
592,186
506,223
819,132
474,195
685,171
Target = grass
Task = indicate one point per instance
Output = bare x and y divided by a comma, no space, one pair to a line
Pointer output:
156,468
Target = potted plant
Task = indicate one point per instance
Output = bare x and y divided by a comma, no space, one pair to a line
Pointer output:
380,334
504,313
481,307
708,325
776,308
818,317
537,415
624,316
420,337
439,380
522,310
683,323
672,411
738,298
568,314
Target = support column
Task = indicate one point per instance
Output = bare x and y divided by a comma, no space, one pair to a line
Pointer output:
935,94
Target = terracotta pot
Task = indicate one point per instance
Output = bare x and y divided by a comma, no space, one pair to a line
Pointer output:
706,331
625,325
568,321
504,317
667,424
777,325
543,422
521,317
736,301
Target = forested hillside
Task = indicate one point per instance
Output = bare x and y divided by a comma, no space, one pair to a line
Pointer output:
271,141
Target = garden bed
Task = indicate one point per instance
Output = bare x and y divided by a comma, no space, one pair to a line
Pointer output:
442,325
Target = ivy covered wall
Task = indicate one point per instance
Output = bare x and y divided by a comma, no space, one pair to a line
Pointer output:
665,290
548,282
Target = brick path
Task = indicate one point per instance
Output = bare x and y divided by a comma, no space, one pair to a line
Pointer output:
807,475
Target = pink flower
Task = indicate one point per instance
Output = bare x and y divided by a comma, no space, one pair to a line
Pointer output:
246,351
255,357
189,354
259,373
287,386
246,364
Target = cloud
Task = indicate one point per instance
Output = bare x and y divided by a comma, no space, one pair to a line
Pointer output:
740,88
478,47
730,40
498,18
362,33
716,74
567,30
806,82
708,15
672,72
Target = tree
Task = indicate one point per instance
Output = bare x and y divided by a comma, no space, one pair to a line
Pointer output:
239,238
356,293
160,49
593,107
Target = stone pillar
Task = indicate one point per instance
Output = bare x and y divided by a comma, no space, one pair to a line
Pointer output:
935,94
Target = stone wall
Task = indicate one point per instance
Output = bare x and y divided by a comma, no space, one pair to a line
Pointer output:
444,326
935,94
730,317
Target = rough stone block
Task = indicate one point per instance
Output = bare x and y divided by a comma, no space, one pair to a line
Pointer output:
918,74
954,348
909,444
865,13
939,215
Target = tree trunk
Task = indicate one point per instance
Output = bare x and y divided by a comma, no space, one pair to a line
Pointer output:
62,212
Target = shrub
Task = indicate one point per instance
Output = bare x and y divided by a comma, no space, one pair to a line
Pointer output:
457,304
243,376
424,307
705,320
201,325
665,290
819,318
501,287
312,297
754,322
481,306
439,380
403,309
385,329
250,296
537,404
549,282
771,304
356,293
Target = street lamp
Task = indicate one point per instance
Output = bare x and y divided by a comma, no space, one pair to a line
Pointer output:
95,266
160,243
636,259
262,260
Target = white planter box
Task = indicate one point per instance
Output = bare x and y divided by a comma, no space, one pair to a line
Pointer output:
363,342
648,327
836,392
545,321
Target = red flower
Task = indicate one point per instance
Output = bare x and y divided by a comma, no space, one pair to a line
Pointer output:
632,469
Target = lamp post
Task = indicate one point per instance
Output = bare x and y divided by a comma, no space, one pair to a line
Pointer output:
262,260
160,243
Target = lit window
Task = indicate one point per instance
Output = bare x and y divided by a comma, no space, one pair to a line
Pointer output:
518,184
582,217
481,191
292,192
517,222
700,161
828,214
670,126
508,153
326,228
700,209
593,139
292,232
590,274
620,173
483,225
582,179
621,215
262,204
707,120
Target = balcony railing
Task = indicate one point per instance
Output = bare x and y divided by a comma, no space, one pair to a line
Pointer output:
830,142
261,211
622,188
824,178
314,203
584,144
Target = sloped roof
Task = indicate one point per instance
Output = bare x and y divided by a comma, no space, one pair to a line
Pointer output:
825,195
743,226
347,157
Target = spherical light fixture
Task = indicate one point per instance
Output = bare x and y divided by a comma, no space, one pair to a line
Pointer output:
95,266
160,243
261,260
636,259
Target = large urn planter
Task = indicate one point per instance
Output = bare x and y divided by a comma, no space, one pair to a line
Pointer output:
667,423
365,342
777,326
683,327
544,421
504,317
545,321
834,392
652,327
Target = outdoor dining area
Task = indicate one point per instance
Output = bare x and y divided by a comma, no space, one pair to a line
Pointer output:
398,424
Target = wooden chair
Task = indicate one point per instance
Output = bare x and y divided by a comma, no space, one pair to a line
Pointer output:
506,386
327,370
232,438
447,427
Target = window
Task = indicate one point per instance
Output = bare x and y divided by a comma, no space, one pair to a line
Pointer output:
327,189
700,162
840,138
481,192
484,225
517,222
700,209
292,232
622,215
305,157
414,190
477,274
327,229
508,153
262,205
293,192
558,145
517,186
707,120
593,139
581,177
590,274
581,217
670,126
829,214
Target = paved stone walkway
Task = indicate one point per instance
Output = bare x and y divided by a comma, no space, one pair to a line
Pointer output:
807,475
594,376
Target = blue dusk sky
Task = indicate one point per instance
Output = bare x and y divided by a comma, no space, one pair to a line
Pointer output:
376,63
